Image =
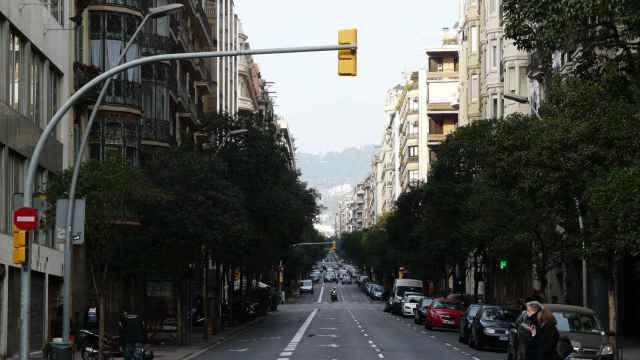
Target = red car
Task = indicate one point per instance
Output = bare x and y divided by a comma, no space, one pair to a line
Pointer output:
444,313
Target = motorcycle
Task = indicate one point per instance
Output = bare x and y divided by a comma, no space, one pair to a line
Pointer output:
334,295
89,343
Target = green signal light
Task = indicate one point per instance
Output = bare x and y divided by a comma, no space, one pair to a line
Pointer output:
503,264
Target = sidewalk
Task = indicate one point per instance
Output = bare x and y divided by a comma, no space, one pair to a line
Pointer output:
630,347
200,346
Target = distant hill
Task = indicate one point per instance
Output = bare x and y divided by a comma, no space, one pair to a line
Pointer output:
335,174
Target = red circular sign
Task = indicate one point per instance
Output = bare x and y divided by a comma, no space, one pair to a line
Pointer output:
26,218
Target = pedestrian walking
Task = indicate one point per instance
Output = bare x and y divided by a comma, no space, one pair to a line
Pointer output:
543,335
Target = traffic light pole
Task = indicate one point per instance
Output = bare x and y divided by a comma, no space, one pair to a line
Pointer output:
25,302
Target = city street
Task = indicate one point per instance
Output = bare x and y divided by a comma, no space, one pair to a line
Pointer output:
353,328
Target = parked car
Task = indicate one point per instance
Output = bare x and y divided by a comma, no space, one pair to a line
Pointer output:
306,286
377,292
580,324
400,286
444,314
410,302
315,275
465,322
490,326
421,310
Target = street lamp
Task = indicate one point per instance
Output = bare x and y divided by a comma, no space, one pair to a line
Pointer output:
208,145
66,309
32,168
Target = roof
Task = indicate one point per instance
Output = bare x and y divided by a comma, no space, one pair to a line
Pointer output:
568,308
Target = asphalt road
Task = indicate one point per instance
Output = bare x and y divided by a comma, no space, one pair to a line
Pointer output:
355,327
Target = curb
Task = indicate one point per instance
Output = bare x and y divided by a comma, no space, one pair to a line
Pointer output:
223,339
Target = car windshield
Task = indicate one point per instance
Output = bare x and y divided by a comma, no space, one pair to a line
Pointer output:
306,283
378,288
407,289
426,302
577,322
414,298
447,305
500,314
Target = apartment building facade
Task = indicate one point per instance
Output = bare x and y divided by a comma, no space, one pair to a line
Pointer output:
35,76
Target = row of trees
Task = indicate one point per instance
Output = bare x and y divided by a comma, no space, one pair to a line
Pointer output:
518,188
233,201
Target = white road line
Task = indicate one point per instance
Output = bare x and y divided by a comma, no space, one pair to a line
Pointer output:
283,358
298,336
286,354
448,344
321,292
381,356
456,349
475,358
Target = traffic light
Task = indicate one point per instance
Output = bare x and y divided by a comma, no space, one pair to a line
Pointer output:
503,264
347,58
333,246
19,246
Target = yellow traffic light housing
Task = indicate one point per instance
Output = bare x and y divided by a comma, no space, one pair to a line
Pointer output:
19,246
348,58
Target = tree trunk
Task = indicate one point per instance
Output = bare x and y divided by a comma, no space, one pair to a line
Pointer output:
476,272
101,321
613,301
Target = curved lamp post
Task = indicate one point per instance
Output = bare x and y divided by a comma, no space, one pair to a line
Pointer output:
66,310
37,151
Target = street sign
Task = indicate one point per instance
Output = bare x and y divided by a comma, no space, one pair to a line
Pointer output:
62,206
26,218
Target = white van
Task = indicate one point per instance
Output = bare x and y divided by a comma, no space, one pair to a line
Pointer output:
400,287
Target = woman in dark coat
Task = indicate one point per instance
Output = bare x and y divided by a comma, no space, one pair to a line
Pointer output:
543,335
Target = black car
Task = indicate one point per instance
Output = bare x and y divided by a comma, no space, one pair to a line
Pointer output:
465,322
579,324
490,327
421,310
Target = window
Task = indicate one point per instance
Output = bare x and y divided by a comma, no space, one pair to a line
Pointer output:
414,177
56,7
494,54
523,82
414,128
35,89
474,39
433,156
475,88
511,79
15,70
493,6
53,92
412,151
435,126
494,108
414,104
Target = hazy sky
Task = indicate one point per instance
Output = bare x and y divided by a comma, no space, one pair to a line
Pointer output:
327,112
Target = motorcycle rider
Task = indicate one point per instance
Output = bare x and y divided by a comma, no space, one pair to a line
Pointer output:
334,294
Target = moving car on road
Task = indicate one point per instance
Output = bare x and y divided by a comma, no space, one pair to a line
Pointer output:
490,326
444,314
377,292
421,310
306,286
580,324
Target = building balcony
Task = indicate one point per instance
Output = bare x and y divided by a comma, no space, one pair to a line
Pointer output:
133,4
442,75
440,107
436,138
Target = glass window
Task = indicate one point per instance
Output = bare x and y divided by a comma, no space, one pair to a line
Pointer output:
494,54
493,6
414,177
56,8
412,151
34,89
474,39
475,88
523,82
577,323
96,23
413,104
414,128
15,70
53,93
511,79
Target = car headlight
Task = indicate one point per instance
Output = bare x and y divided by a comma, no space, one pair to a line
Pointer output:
489,331
606,349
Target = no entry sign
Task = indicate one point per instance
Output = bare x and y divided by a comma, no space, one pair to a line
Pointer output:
26,218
